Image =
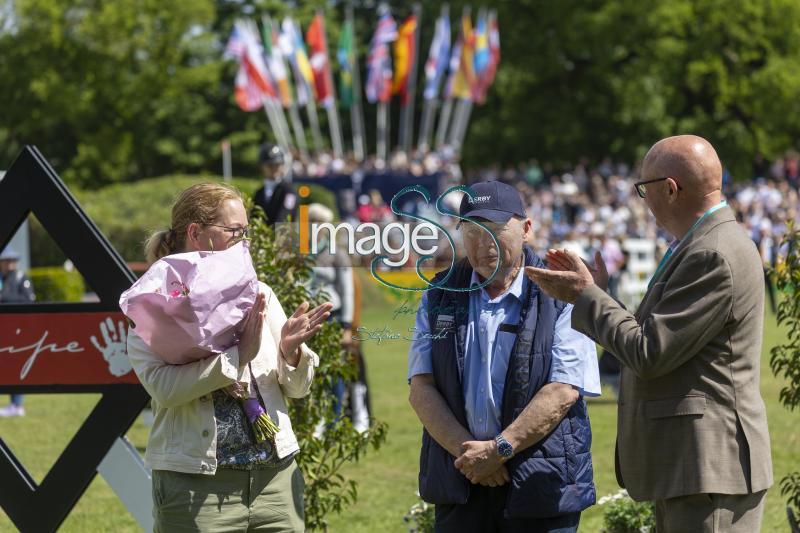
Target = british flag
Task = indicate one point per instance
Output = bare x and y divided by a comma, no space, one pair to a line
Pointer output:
379,63
252,79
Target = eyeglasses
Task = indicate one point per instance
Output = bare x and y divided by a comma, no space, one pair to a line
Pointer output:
237,233
641,190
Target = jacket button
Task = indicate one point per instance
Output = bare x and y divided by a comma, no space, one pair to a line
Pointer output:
203,467
205,433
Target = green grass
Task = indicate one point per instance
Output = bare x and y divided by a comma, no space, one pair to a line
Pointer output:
387,478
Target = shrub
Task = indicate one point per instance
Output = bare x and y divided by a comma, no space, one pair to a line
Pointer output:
321,459
421,518
54,284
785,358
623,515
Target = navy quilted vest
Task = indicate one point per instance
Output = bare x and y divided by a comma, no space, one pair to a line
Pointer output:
554,476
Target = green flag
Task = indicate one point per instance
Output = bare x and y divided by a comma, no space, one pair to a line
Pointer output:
266,35
344,54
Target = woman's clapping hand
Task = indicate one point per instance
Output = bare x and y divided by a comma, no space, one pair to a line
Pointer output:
300,327
250,337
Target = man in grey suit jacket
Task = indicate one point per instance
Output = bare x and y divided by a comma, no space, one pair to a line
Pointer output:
692,428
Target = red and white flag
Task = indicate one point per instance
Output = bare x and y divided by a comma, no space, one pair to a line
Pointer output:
252,79
318,48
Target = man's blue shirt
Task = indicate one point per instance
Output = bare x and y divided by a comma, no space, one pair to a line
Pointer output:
574,357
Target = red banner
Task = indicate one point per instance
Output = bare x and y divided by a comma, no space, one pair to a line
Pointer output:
64,349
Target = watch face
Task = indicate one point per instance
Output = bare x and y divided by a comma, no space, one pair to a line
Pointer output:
505,449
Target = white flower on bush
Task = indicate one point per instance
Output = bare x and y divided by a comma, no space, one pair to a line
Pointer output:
619,495
420,517
624,515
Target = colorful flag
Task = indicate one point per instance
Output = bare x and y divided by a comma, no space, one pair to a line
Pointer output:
486,78
248,95
404,57
464,83
294,50
379,63
453,64
236,46
344,54
481,59
277,68
315,37
252,80
436,64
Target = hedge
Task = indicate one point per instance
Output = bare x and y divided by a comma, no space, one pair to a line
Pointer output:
127,213
54,284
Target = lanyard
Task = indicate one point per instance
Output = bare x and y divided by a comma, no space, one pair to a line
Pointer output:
672,248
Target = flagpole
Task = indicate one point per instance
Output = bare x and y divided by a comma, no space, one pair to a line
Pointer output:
299,132
336,135
444,121
280,121
330,105
311,106
275,116
383,128
425,123
458,141
287,135
460,133
272,119
291,108
407,112
431,104
356,112
450,133
381,78
313,119
455,126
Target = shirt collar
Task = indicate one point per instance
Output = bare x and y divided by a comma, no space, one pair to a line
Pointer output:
674,244
516,288
269,186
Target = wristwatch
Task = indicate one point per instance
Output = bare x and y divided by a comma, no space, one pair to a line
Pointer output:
504,448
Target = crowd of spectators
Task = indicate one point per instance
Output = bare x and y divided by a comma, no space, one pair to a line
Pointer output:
589,207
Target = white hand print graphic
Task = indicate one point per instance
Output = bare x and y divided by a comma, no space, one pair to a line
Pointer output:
116,349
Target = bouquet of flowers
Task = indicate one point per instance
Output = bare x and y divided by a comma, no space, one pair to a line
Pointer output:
190,306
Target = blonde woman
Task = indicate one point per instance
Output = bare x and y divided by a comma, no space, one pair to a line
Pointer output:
209,472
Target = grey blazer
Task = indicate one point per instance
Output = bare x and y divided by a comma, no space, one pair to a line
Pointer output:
691,417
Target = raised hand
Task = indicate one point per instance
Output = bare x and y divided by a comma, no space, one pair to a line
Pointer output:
250,336
559,260
565,285
300,327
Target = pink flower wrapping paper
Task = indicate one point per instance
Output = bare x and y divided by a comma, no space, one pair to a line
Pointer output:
187,305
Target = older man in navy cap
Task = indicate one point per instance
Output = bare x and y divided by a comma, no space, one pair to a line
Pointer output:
498,378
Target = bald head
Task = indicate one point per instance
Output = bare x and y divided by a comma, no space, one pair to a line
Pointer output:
690,160
686,181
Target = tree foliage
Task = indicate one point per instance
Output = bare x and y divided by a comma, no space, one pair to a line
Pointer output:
610,77
117,91
785,358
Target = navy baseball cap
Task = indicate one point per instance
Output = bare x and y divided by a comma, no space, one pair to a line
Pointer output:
492,200
270,154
